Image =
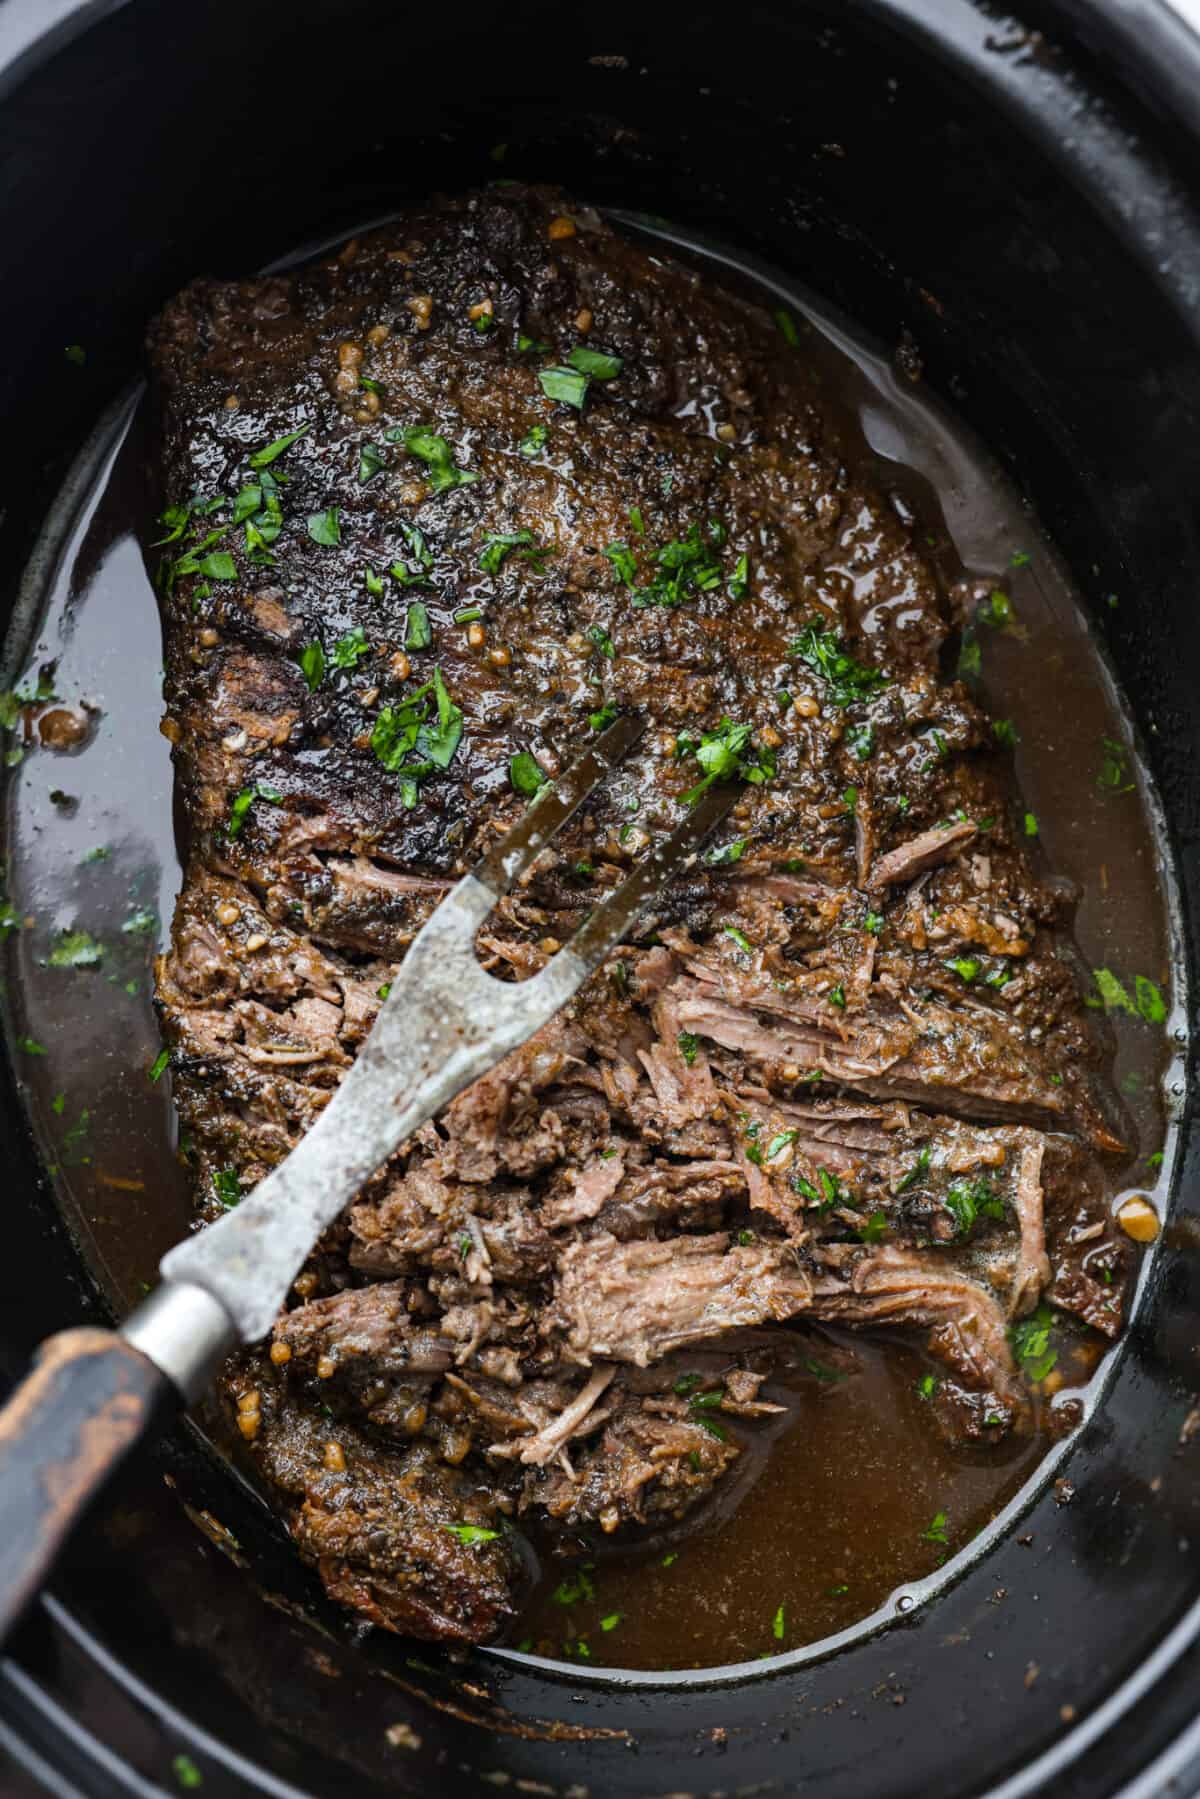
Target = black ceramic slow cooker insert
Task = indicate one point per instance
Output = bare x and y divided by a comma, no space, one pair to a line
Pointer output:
1041,178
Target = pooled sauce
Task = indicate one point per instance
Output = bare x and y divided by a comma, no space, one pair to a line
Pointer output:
851,1494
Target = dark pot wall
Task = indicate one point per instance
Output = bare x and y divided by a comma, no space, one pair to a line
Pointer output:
1031,225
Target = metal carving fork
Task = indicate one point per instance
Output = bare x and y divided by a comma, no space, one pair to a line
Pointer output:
93,1394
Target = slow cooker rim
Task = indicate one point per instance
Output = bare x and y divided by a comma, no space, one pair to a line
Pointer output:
1154,44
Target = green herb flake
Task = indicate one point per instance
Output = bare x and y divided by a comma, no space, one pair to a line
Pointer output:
312,665
262,458
531,346
725,754
965,967
526,774
75,949
970,656
566,385
186,1772
438,457
603,642
503,544
76,354
846,681
740,938
533,442
727,852
1150,1002
227,1186
418,633
688,1044
837,997
927,1386
935,1531
996,610
1020,559
779,1624
636,522
787,326
969,1199
1030,1340
575,1587
160,1065
600,721
471,1533
261,790
325,527
1004,732
611,1621
350,649
1031,824
370,461
1113,996
597,365
31,1047
623,560
875,1229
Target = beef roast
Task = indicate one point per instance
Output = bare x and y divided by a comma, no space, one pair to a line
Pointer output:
436,507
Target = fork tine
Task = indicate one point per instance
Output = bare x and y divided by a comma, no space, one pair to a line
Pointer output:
610,921
507,861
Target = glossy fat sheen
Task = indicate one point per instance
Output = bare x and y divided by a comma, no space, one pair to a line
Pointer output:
654,1170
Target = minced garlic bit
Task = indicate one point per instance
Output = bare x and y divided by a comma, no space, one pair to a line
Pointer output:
1138,1219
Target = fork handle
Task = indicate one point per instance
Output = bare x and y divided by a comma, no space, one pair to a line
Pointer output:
88,1400
90,1397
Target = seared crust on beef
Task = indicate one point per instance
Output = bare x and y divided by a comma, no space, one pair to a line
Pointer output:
850,1079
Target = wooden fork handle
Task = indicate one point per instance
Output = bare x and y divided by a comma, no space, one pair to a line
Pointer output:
89,1398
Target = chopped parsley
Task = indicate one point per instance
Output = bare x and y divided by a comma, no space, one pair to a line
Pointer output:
927,1386
159,1065
533,442
1030,1339
996,610
575,1587
261,458
502,544
1147,1001
350,649
846,680
418,633
1031,824
779,1624
261,790
183,1767
831,1192
725,754
597,365
611,1621
312,665
370,461
860,739
531,346
1003,732
837,997
919,1168
436,454
935,1531
636,521
688,1044
727,852
526,773
471,1533
325,527
566,385
970,655
418,551
872,923
600,720
965,967
411,729
603,642
787,326
624,561
1114,768
75,949
968,1200
875,1229
740,938
227,1186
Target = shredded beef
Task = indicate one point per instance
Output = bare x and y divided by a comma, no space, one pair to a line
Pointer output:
843,1076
